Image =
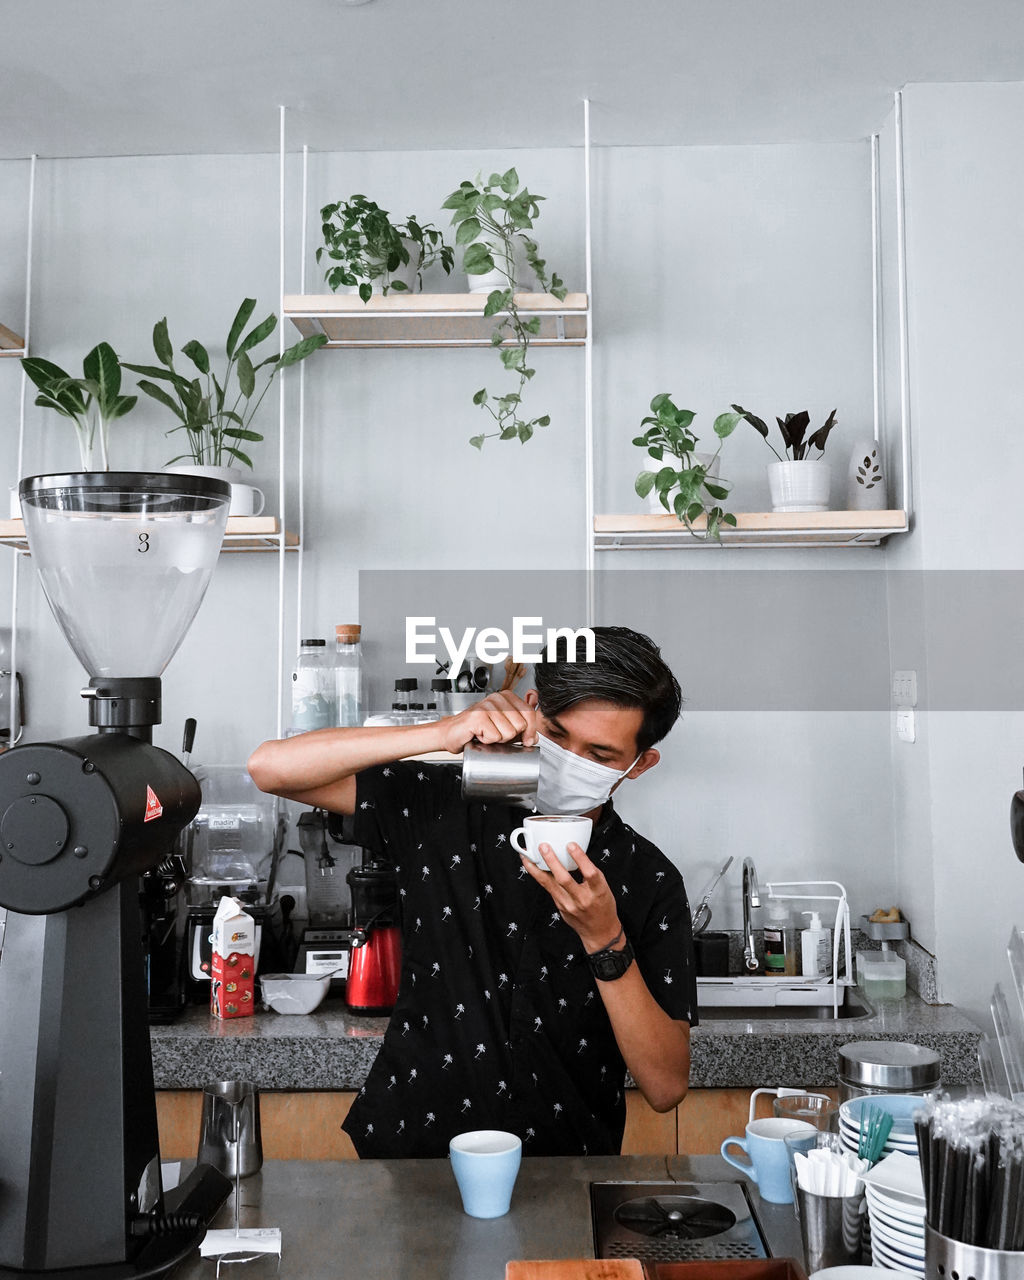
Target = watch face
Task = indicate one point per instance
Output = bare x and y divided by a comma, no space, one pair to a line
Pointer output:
608,965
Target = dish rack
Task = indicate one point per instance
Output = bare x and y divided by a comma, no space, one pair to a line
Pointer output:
822,891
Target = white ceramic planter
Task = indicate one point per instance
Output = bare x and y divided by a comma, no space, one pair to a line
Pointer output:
498,279
700,459
405,274
799,486
246,499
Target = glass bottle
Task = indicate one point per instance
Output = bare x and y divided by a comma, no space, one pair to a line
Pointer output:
313,697
348,675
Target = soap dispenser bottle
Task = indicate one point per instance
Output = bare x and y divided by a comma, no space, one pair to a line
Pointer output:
815,948
779,940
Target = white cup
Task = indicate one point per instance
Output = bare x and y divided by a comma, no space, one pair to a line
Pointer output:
559,832
246,500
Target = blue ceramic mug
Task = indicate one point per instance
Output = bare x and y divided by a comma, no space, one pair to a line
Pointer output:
767,1161
485,1163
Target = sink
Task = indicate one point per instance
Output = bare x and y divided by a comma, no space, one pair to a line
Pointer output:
674,1221
848,1012
758,999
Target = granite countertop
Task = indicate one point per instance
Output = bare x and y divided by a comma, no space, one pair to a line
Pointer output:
403,1218
332,1049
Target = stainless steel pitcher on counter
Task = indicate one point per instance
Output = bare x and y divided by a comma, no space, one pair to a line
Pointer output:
229,1133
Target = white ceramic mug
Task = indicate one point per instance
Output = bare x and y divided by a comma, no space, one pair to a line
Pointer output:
246,500
559,832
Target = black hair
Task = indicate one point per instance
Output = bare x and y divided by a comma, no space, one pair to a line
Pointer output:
628,670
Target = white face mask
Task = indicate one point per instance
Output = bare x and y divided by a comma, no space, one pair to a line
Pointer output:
570,784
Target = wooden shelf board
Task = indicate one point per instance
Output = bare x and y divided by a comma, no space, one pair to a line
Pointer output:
11,343
753,528
244,533
431,319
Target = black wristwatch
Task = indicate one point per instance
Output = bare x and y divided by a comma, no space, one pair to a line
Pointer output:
607,965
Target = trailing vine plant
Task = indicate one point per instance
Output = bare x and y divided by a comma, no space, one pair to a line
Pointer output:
493,218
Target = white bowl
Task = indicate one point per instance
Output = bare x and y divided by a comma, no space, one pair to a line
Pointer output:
294,992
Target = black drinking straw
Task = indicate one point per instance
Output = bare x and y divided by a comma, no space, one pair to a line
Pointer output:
923,1130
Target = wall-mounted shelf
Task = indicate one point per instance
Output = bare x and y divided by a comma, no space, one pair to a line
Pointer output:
11,343
244,533
753,529
431,319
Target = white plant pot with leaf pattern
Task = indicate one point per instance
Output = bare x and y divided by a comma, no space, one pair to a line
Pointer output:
708,460
800,486
865,485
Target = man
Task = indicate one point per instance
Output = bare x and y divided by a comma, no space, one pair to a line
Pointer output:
521,1003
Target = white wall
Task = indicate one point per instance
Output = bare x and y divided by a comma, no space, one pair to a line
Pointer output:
965,182
720,274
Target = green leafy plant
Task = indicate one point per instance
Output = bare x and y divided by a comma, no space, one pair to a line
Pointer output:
92,402
360,237
493,218
793,428
682,485
214,415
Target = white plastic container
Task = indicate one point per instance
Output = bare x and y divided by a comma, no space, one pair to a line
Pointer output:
815,948
882,975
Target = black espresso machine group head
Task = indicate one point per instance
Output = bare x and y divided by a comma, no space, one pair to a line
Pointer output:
124,560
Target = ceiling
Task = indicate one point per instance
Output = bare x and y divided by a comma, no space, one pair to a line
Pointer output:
140,77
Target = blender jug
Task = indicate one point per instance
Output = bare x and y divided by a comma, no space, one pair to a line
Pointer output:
376,962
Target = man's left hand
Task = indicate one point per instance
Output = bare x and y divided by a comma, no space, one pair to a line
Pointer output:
587,904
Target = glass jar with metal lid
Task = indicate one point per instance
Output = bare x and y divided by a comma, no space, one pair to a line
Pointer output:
887,1066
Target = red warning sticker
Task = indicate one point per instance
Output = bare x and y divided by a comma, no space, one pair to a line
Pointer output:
153,806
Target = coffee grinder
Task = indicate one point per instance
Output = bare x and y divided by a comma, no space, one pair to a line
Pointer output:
124,560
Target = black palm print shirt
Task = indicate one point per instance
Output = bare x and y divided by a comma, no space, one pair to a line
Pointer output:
498,1023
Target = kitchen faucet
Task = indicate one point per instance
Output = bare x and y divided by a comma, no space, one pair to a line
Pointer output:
751,898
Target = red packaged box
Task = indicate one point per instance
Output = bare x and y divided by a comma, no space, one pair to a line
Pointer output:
233,970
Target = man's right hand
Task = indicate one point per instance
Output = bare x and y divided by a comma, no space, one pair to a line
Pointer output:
500,717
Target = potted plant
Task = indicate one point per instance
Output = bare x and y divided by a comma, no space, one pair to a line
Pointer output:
92,402
688,485
493,219
375,255
214,413
797,482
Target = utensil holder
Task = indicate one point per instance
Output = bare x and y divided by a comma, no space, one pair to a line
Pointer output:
832,1228
946,1259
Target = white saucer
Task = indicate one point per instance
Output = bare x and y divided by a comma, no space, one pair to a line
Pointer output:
912,1246
907,1212
893,1259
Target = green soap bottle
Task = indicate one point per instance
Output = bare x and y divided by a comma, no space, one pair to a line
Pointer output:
779,940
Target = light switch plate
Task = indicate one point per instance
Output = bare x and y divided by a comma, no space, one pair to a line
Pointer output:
904,688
